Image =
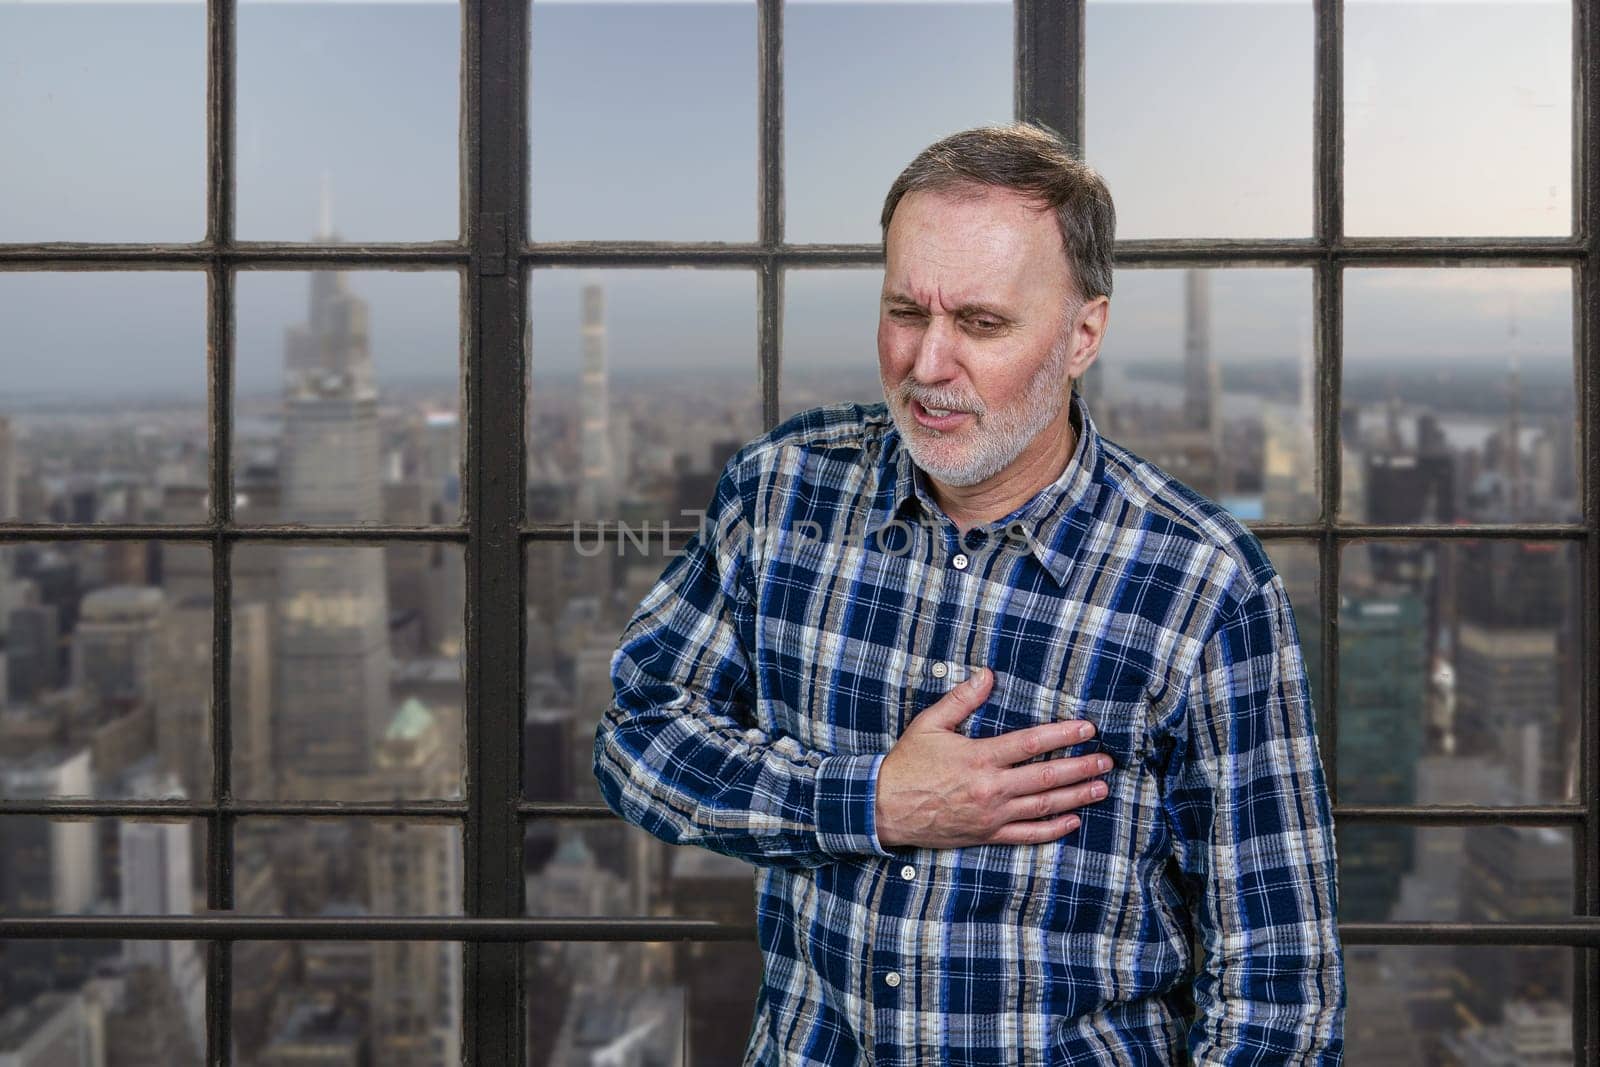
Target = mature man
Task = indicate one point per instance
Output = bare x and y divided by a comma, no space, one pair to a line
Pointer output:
1004,715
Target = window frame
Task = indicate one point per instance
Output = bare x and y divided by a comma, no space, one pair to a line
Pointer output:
493,255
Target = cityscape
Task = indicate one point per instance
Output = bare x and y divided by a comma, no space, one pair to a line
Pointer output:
1459,683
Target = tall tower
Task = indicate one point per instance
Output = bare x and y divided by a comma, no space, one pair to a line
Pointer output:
597,490
1200,384
332,627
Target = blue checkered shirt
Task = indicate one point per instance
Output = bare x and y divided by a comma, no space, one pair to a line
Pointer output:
827,599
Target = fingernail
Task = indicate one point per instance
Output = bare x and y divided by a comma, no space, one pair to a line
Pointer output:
1097,790
1084,731
1102,764
977,677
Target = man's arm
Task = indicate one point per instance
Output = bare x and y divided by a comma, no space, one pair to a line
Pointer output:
678,752
1247,797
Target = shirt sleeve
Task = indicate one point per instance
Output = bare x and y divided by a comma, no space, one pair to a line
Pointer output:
679,752
1254,831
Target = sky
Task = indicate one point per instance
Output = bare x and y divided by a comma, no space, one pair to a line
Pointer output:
643,121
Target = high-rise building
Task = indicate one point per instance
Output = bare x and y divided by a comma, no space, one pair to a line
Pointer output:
114,648
597,480
416,989
1512,649
1201,385
157,878
332,651
1382,688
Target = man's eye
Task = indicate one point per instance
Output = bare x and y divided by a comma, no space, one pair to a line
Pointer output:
906,314
984,325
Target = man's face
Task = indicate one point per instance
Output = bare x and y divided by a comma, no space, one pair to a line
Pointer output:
975,345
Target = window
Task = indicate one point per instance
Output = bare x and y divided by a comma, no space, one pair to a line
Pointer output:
363,361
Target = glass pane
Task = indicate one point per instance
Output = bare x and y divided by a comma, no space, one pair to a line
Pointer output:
689,1003
348,397
1450,873
104,123
642,383
90,866
1210,375
1459,672
611,868
348,675
830,329
581,593
351,103
347,1002
103,417
867,87
1457,1004
105,670
348,866
67,1002
673,88
1297,563
1458,118
1443,370
1168,83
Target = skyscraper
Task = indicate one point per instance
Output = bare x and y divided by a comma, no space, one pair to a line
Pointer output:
597,488
333,651
1200,381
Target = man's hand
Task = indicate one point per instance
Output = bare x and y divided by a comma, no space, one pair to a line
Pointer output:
938,788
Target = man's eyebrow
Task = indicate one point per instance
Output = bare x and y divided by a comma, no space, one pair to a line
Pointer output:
968,309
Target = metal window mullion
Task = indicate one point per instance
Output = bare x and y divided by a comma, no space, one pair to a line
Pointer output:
221,66
1048,73
770,206
495,136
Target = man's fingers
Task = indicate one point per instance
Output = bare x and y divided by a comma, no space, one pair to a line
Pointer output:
1034,778
953,708
1019,746
1056,802
1037,832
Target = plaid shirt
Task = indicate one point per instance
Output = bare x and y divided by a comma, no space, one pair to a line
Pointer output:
827,600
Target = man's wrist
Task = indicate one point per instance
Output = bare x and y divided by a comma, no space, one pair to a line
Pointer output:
846,805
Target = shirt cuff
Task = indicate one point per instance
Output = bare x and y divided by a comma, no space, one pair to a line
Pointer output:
846,799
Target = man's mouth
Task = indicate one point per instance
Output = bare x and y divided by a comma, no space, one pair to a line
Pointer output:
938,418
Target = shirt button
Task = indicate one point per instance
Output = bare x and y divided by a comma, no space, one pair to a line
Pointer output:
908,872
939,669
959,561
892,978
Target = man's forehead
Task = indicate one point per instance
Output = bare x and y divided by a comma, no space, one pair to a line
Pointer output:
971,247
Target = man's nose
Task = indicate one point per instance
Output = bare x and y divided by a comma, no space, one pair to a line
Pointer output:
936,352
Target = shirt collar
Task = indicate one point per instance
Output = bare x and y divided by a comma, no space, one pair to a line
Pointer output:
902,494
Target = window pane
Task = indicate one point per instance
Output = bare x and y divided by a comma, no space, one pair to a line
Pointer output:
98,866
1451,1004
103,418
1450,873
104,123
1169,84
1458,118
581,593
643,121
611,868
348,866
1443,370
67,1002
348,674
347,1002
105,663
354,102
1459,672
868,86
830,329
1210,375
642,384
348,397
689,1003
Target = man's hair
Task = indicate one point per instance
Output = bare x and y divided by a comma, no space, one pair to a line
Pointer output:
1036,162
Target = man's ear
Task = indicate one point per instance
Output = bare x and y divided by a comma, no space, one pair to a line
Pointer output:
1088,329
